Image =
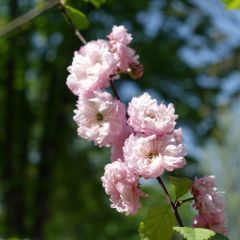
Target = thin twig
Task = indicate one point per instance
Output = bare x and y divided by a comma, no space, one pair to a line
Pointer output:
25,18
179,203
80,36
69,20
114,90
116,93
170,202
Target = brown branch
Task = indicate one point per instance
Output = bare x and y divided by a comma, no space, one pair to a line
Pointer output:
25,18
170,202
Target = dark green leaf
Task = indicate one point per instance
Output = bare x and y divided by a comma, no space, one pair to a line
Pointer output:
219,236
158,225
78,18
180,185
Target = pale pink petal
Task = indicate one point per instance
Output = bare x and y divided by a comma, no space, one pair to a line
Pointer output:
210,205
122,186
119,40
91,68
117,147
100,118
150,155
146,116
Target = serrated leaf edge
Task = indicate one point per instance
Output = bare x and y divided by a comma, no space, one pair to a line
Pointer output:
180,230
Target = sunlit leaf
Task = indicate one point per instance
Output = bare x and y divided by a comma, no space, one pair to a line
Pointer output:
78,18
232,4
199,234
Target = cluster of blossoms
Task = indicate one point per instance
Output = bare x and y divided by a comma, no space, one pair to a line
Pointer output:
143,137
210,205
98,62
148,146
143,144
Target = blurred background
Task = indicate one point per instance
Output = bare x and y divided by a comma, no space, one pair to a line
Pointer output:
49,178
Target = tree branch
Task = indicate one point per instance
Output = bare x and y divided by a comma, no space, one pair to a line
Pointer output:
25,18
32,14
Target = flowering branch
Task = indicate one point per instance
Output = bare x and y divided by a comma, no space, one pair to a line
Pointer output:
143,139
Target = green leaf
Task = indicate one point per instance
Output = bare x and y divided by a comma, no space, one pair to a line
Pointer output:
96,3
232,4
141,231
195,233
219,236
199,234
180,185
158,225
78,18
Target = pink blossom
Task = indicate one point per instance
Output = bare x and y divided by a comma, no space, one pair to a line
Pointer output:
117,148
122,186
150,155
91,67
209,204
214,223
119,40
208,200
100,118
119,34
146,116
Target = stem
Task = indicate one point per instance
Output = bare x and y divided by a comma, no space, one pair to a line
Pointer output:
116,93
170,202
69,20
114,90
179,203
27,17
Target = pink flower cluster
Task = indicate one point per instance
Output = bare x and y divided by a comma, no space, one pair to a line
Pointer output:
209,204
98,62
143,138
143,152
144,145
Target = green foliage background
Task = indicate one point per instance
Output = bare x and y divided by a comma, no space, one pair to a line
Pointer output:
49,178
